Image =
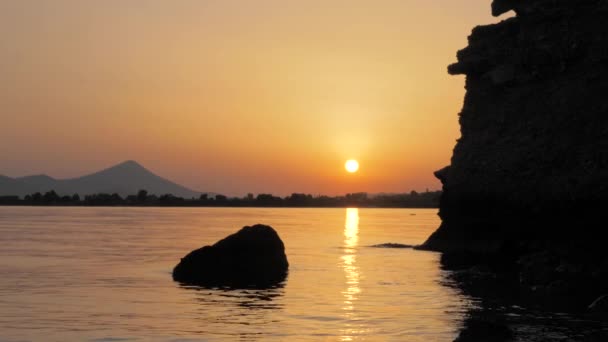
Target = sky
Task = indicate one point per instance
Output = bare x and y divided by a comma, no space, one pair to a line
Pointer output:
235,96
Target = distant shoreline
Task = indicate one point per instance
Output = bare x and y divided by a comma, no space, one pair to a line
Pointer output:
215,206
428,199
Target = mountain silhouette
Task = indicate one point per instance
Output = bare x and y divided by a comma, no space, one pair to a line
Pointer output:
126,178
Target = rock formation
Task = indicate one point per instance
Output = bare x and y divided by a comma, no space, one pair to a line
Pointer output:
252,257
532,160
524,200
527,189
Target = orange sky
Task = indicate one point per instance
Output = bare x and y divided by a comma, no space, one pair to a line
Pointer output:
235,96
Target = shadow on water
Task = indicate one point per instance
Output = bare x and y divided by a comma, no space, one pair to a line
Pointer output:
503,313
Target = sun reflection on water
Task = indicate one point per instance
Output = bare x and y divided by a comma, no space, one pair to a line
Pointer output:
351,271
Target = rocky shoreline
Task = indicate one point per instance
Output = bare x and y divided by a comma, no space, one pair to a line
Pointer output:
524,199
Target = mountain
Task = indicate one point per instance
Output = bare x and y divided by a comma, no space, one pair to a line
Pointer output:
12,186
126,178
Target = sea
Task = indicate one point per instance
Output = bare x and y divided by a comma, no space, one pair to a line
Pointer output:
104,275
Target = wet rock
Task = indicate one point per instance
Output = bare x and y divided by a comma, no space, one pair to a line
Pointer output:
538,269
459,260
480,328
600,305
252,257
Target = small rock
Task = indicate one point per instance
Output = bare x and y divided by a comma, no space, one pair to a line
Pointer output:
391,245
599,305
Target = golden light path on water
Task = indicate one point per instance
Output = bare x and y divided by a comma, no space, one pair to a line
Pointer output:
351,271
338,289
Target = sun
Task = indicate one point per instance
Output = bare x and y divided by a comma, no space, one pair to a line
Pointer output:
351,165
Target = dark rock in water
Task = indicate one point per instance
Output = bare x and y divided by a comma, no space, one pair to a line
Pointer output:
391,245
252,257
600,305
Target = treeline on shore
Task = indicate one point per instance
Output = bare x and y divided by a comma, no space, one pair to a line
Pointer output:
413,199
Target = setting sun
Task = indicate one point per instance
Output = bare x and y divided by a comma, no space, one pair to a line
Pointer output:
351,166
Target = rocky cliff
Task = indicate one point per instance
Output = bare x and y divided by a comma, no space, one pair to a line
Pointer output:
532,160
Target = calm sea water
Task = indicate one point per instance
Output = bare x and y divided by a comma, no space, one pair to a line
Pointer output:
104,274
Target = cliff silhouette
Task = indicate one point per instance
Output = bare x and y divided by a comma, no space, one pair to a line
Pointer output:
533,155
524,199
